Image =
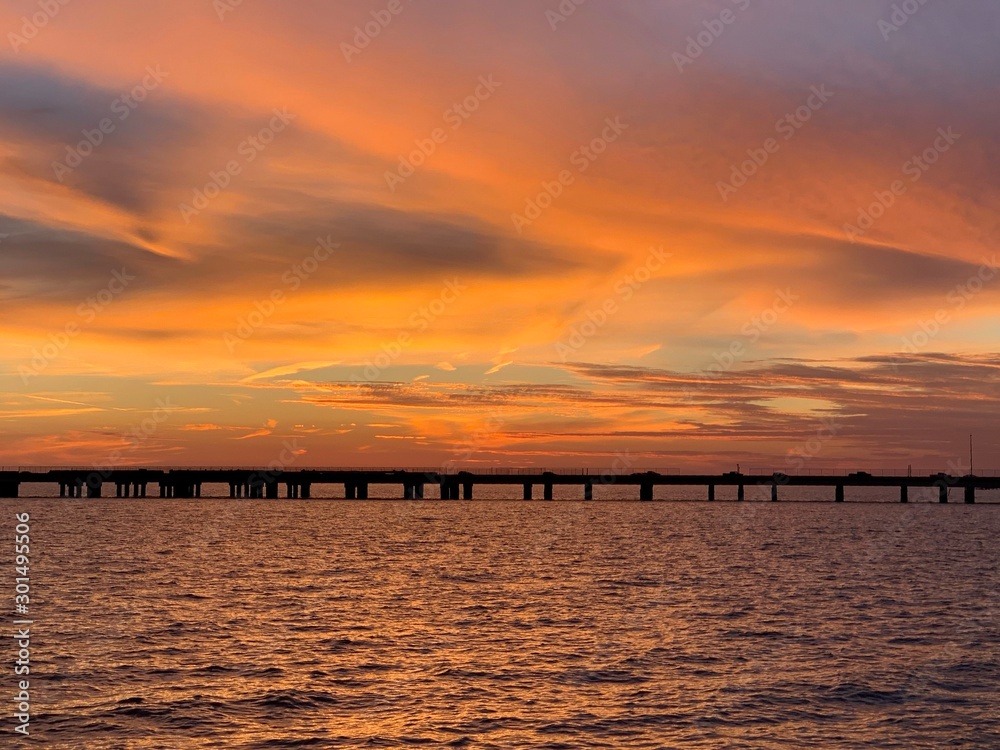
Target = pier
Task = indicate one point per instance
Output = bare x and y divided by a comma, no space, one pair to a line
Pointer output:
417,484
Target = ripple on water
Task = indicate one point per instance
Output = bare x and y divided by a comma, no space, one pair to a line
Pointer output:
517,625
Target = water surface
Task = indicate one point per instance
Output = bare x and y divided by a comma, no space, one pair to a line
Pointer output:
485,624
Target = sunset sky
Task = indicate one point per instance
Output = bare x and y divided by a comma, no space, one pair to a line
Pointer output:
500,233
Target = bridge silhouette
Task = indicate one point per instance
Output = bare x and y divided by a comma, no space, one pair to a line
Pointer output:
266,482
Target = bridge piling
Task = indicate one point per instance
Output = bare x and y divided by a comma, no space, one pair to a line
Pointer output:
970,495
839,494
527,490
547,491
588,490
740,494
711,493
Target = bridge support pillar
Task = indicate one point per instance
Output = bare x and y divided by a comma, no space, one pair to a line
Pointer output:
94,490
307,487
350,491
711,493
445,488
970,495
645,492
362,491
904,493
839,494
942,493
741,494
774,493
9,489
467,491
272,490
527,490
588,490
62,489
548,491
118,489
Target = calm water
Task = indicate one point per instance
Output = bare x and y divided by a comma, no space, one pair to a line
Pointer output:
314,624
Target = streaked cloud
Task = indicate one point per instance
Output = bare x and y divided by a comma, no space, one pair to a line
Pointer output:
426,308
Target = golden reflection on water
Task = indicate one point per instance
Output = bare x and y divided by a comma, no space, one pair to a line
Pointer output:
257,624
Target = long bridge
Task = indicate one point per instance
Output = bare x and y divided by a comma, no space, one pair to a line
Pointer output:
249,482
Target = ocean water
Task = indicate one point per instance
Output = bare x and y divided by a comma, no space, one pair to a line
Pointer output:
487,624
